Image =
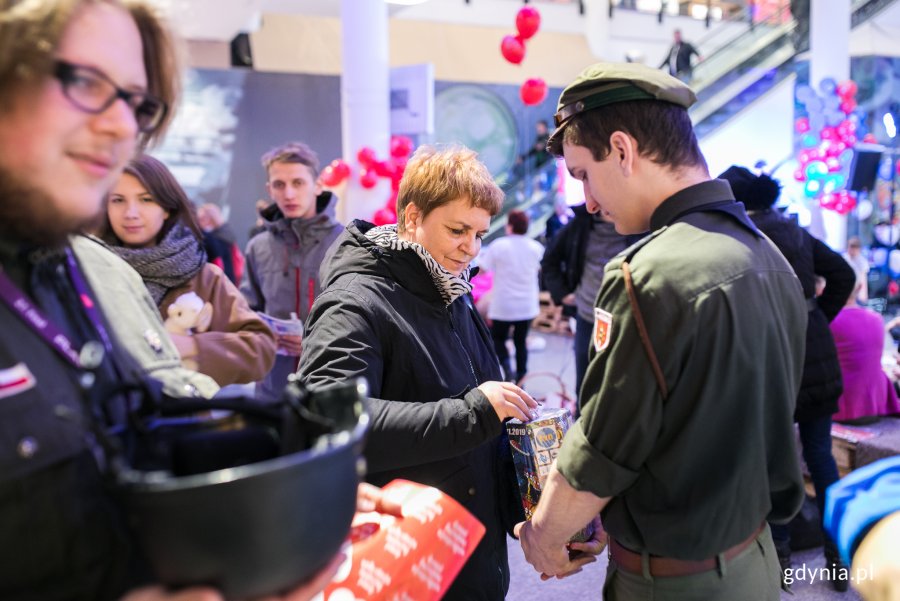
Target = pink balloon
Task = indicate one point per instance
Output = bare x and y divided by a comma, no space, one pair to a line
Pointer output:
368,179
848,105
801,125
384,217
512,49
330,177
533,91
401,146
799,175
834,165
847,89
528,21
341,167
870,138
829,133
366,156
383,168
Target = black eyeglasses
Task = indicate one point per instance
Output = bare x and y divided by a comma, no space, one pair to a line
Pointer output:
93,91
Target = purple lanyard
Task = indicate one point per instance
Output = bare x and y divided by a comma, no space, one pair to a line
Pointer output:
52,335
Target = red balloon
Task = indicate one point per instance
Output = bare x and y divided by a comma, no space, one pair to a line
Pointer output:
366,156
847,89
401,146
829,133
528,21
368,179
870,138
801,125
383,168
384,217
341,167
391,204
533,91
512,49
330,177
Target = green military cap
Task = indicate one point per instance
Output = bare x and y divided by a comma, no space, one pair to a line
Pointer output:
607,83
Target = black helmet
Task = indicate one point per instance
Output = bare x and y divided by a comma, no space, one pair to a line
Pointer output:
253,502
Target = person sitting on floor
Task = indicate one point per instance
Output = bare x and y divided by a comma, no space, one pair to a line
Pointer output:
859,337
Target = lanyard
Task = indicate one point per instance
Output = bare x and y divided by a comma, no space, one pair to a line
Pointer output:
92,352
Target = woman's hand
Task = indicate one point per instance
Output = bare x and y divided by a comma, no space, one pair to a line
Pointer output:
292,345
510,401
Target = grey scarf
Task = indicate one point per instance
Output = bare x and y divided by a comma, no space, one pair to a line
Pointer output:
175,260
450,286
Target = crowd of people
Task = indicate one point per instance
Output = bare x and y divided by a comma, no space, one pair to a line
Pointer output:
700,339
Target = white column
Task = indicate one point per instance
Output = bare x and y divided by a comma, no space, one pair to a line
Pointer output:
365,108
596,27
829,50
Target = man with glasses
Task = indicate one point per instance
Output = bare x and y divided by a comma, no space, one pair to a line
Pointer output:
86,83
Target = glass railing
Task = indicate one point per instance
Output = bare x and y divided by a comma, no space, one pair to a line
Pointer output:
534,191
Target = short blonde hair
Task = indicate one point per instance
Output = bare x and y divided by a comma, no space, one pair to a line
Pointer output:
292,152
30,33
437,176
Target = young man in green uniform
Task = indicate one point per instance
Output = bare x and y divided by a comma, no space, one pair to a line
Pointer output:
685,442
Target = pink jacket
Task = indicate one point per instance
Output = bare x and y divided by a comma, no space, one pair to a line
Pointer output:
859,337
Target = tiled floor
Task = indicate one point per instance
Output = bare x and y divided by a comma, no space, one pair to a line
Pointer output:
552,354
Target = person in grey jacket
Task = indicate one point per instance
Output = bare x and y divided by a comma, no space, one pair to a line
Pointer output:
282,270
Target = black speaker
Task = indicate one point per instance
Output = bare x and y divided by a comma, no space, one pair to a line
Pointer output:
241,56
864,167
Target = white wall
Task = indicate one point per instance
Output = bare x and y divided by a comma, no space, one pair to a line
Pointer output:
763,131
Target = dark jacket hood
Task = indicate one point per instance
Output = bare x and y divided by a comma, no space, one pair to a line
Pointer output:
353,253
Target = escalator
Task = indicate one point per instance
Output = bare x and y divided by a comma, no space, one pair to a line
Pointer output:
741,69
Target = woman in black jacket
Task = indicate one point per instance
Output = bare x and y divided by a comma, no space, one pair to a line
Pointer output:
821,384
397,311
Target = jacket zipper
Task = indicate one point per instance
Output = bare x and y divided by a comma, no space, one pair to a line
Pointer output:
463,347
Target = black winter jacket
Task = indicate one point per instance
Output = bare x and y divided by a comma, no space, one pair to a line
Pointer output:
381,317
822,384
563,261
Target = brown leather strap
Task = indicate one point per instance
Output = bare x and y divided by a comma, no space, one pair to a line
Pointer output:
664,567
642,330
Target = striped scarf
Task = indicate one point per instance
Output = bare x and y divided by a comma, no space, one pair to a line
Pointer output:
451,287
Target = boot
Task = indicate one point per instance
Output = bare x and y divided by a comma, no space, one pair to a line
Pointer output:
840,572
783,549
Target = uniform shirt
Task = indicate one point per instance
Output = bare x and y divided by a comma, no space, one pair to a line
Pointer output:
697,473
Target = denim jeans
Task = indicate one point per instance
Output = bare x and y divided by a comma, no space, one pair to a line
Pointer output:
815,439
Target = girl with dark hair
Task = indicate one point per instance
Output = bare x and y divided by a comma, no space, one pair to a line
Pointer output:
150,223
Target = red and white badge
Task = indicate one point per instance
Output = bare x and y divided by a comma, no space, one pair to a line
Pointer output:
602,328
15,380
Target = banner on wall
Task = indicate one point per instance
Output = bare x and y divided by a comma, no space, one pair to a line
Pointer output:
412,99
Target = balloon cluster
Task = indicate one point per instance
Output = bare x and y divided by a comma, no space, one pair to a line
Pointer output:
372,168
512,47
829,130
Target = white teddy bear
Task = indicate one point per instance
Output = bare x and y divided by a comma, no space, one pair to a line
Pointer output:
188,314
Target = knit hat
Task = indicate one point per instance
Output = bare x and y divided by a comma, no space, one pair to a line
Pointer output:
757,192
